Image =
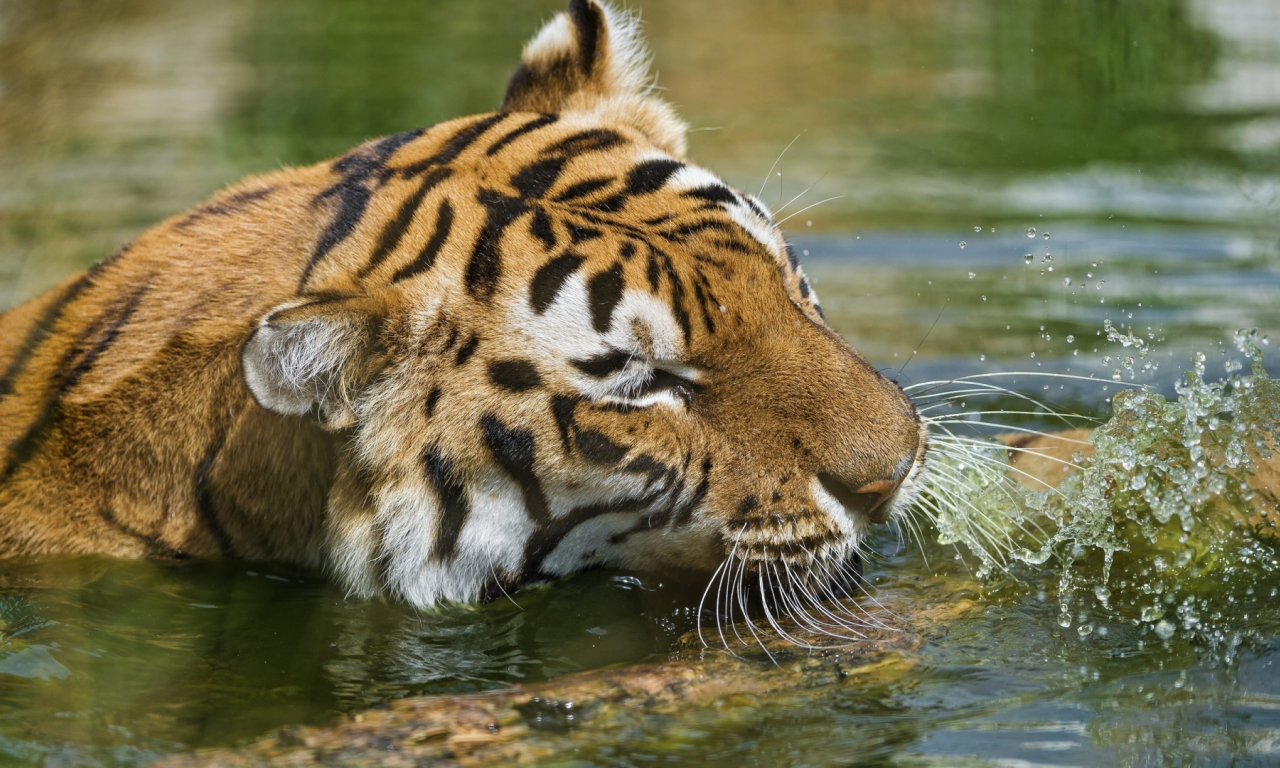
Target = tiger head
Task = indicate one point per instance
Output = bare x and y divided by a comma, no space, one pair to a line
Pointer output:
559,346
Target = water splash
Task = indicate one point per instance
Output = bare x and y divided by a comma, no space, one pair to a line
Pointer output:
1165,523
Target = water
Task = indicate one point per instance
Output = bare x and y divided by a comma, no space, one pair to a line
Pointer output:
1143,138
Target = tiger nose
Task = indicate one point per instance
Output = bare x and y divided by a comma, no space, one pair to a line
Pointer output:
866,499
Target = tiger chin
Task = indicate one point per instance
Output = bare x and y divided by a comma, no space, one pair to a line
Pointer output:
479,355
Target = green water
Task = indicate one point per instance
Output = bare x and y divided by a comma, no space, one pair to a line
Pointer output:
1143,137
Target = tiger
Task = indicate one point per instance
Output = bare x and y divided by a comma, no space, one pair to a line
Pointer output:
458,361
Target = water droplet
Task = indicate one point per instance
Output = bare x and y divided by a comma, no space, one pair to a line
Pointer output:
1028,258
1085,630
1070,339
1031,231
984,298
977,229
963,243
1164,629
972,274
1050,269
1064,620
809,223
1046,235
982,358
1066,282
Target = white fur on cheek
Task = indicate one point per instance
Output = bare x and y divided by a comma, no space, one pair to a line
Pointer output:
490,544
563,331
664,332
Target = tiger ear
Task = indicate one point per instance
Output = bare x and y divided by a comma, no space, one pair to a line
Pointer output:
312,357
591,58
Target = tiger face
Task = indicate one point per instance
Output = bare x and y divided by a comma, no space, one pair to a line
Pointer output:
554,345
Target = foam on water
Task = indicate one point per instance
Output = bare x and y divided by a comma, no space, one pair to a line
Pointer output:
1167,526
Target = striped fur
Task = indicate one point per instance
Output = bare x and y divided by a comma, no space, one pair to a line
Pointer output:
455,361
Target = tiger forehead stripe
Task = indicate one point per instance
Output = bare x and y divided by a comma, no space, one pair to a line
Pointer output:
352,192
427,256
535,124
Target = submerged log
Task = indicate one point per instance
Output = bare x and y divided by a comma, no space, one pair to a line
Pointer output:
527,723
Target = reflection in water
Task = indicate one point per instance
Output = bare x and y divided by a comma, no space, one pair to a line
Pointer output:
1143,135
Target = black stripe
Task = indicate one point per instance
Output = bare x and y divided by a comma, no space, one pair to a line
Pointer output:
514,451
562,408
353,199
433,397
651,176
589,22
579,234
353,194
592,140
583,188
427,257
683,231
792,258
387,146
154,545
546,538
395,229
702,304
205,508
603,365
535,179
550,278
467,350
454,508
68,374
39,331
612,204
514,375
755,206
533,125
485,266
671,488
677,298
455,146
540,227
644,464
713,193
616,224
685,513
224,207
604,291
653,272
597,448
